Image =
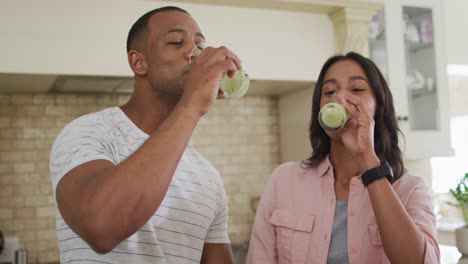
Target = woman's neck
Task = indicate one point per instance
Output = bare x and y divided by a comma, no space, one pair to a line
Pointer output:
344,164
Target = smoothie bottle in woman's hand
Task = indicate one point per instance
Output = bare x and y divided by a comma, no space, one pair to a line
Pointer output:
333,115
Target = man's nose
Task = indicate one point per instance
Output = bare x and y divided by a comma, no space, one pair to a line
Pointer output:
194,52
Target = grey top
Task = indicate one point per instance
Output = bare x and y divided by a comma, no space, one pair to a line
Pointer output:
338,252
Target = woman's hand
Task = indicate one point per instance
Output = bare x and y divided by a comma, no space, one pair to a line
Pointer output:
358,133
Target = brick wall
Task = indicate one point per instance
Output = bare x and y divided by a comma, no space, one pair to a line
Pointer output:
240,137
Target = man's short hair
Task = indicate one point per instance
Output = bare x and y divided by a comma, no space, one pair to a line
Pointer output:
141,25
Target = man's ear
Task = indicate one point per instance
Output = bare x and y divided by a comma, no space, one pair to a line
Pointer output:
137,62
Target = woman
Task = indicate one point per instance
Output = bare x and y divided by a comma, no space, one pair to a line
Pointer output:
342,204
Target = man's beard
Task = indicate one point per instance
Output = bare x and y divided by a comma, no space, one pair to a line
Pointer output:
172,89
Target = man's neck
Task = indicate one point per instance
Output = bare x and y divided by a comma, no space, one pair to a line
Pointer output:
148,111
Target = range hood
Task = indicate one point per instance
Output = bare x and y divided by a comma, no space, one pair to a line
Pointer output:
40,83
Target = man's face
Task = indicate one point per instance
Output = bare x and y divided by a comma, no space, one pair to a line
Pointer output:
172,36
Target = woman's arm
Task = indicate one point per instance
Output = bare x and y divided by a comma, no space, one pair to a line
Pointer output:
407,233
406,237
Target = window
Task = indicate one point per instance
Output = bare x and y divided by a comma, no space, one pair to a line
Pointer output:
446,171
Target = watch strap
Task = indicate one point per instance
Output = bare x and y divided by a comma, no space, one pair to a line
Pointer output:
379,172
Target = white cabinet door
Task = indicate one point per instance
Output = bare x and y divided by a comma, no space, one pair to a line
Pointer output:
407,42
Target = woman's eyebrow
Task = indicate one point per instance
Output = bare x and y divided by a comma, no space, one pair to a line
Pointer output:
329,81
357,78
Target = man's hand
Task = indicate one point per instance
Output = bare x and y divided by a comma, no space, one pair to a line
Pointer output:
202,85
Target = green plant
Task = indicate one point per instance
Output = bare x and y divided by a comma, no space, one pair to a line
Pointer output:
460,193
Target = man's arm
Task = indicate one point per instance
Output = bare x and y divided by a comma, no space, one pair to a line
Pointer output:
105,203
217,254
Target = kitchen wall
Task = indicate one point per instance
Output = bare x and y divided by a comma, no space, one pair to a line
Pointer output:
294,127
240,137
457,39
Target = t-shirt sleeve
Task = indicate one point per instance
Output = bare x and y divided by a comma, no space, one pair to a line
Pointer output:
80,141
217,232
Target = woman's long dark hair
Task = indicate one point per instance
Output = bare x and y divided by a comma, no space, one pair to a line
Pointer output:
386,127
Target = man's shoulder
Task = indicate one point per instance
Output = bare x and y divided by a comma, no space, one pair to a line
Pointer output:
84,139
99,117
96,122
93,126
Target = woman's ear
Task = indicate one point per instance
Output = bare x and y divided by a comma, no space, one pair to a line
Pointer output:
137,62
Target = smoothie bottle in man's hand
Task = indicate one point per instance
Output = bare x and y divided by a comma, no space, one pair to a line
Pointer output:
234,87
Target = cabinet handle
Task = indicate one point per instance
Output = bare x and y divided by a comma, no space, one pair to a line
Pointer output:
402,118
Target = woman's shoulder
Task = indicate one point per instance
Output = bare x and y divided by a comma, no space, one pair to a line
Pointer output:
292,171
289,166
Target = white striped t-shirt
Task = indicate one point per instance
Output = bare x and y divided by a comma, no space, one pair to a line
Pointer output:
193,212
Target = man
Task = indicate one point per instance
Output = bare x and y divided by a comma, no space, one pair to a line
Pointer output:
128,187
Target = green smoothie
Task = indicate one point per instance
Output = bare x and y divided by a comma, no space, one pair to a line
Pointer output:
333,116
236,86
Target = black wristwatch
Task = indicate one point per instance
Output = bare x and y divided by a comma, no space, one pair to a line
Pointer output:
384,170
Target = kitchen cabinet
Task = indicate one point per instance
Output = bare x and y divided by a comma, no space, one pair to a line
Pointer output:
407,42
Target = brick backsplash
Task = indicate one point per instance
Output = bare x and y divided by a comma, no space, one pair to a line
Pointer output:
240,137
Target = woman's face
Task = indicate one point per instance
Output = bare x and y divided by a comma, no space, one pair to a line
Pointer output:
348,76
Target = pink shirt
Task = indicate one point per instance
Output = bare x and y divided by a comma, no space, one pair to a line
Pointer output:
295,217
